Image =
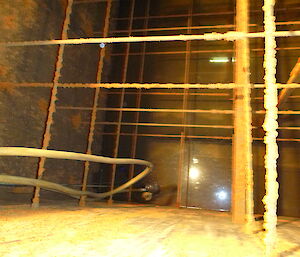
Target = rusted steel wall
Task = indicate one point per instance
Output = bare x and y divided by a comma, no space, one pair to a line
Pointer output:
23,111
165,63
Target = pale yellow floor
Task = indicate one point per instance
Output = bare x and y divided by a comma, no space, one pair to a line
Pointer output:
132,231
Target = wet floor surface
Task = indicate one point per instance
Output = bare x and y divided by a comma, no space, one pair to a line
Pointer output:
125,230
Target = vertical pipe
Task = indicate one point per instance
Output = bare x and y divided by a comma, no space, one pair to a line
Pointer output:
138,99
180,170
184,107
53,98
270,126
95,103
124,77
242,173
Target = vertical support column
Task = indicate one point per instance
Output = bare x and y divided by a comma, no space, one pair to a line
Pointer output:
138,99
270,126
53,98
124,77
95,103
242,173
184,107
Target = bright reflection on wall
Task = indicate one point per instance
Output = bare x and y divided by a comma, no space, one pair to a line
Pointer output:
194,173
222,195
221,59
195,160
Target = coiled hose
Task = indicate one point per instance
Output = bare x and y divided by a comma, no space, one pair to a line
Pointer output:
32,152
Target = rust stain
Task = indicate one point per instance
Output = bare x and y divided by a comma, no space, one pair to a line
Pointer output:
43,105
29,3
53,98
3,70
10,90
22,190
9,22
76,121
63,4
17,18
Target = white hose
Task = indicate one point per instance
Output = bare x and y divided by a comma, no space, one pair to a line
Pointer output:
32,152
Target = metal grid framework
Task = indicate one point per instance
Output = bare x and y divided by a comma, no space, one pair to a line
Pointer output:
241,86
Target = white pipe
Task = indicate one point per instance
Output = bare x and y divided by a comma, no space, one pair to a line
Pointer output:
229,36
32,152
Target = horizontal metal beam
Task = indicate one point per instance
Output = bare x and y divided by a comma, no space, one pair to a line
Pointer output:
199,137
91,1
279,112
146,110
167,110
167,93
229,36
226,26
170,136
148,124
203,14
142,85
203,51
